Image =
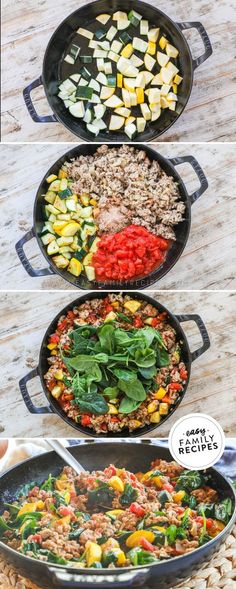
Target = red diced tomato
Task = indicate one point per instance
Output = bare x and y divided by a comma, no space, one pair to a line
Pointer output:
138,322
183,374
54,338
64,510
36,538
110,471
168,487
137,509
62,325
175,386
85,420
146,545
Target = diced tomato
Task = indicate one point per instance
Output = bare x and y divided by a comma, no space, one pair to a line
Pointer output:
166,399
183,374
175,386
137,509
54,338
51,384
110,471
36,538
66,347
85,420
168,487
115,419
138,322
62,325
147,545
68,397
104,427
71,315
130,253
209,521
64,510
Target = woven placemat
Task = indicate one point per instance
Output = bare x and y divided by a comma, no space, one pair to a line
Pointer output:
218,573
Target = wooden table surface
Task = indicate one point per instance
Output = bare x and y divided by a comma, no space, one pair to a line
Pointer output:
27,316
211,248
28,26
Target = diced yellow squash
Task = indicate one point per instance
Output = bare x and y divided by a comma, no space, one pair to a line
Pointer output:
112,410
121,558
151,48
148,321
111,316
116,483
152,406
106,92
51,178
58,226
90,272
116,122
103,18
178,497
160,529
51,346
135,538
171,104
52,248
60,261
178,79
56,392
93,202
63,184
40,505
127,51
114,512
172,51
93,553
50,197
163,408
75,267
84,198
129,120
88,259
132,305
55,185
175,88
155,417
160,393
164,102
94,245
153,35
60,204
27,508
62,174
162,59
140,95
157,482
163,42
119,80
136,423
58,374
70,229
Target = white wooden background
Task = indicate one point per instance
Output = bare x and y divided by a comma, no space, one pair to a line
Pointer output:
29,24
24,318
211,247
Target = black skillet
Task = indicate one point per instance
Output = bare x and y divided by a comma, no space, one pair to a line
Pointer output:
134,457
54,70
182,229
52,405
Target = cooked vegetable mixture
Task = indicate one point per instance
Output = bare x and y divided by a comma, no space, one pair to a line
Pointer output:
115,363
114,518
111,215
122,75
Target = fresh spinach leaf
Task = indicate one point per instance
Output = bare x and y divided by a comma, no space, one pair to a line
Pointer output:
128,405
92,403
124,374
106,338
111,392
145,358
129,495
133,389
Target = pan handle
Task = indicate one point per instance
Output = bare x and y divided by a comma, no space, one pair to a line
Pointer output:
24,260
203,331
190,159
26,398
205,38
30,107
76,580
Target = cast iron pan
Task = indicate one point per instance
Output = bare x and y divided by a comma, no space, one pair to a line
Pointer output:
54,407
182,229
134,457
54,68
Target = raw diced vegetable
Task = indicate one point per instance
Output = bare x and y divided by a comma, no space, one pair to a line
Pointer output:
131,131
116,122
85,33
139,44
84,92
103,18
111,33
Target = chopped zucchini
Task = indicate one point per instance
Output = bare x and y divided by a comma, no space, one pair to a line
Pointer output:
85,33
116,122
60,261
116,46
103,18
84,92
131,130
52,248
77,110
50,197
111,33
100,34
47,238
75,267
90,272
86,59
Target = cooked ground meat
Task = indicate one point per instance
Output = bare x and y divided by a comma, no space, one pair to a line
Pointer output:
125,517
129,189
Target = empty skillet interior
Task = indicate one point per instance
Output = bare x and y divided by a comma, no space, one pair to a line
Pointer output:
44,354
181,230
56,70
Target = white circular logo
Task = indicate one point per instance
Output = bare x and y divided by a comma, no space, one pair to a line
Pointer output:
196,441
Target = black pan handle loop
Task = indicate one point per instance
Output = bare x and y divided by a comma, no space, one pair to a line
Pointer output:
24,260
63,578
203,331
205,38
30,107
190,159
26,398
